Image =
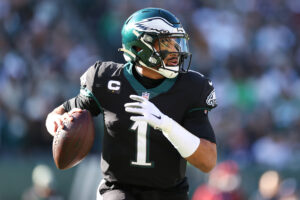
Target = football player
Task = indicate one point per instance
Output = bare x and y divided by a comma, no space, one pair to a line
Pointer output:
155,111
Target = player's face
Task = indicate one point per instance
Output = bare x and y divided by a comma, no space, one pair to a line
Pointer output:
168,48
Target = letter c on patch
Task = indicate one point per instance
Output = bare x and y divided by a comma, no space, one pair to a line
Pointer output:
114,85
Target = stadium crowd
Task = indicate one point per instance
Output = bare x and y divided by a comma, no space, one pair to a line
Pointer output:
249,48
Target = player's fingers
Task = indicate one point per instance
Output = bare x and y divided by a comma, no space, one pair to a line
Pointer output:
133,105
58,123
68,116
134,110
137,118
53,128
65,116
137,98
75,110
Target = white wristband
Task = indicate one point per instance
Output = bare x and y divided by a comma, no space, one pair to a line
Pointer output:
185,142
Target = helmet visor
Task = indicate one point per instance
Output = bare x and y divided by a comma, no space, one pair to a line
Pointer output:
174,51
173,45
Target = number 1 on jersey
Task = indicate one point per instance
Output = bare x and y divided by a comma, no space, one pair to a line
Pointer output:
142,151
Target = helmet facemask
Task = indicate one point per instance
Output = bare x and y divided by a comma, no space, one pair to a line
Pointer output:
169,53
173,52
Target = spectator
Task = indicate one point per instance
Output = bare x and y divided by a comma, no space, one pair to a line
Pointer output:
43,185
224,182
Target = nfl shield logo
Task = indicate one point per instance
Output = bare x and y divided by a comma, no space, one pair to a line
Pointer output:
146,95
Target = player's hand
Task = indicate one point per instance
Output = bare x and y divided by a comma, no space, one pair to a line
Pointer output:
67,116
148,112
56,121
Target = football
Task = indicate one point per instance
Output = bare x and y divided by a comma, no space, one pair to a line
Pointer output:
74,141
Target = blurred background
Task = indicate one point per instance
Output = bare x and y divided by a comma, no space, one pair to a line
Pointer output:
249,48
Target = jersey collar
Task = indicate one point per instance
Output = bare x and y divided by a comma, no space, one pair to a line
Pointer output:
139,88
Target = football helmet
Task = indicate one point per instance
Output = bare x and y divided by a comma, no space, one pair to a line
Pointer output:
155,38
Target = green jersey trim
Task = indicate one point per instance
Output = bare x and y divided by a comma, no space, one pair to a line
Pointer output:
139,88
196,109
86,92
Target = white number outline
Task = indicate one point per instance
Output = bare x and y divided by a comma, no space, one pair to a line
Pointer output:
142,149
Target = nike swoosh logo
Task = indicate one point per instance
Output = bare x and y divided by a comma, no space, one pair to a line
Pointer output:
158,117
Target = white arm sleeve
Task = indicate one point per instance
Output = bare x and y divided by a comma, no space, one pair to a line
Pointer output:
185,142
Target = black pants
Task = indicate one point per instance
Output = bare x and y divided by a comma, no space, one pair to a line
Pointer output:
114,191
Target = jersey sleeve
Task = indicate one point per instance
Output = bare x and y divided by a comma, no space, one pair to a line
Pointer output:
86,98
207,99
82,102
196,119
197,123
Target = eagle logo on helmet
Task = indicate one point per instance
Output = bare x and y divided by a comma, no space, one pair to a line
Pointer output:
157,25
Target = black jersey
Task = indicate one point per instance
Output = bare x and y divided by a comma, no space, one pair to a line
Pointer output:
135,153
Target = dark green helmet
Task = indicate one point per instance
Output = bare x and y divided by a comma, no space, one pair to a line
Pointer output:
147,26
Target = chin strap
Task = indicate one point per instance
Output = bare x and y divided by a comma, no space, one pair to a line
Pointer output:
168,73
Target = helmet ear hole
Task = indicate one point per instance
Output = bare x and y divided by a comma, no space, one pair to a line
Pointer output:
137,49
